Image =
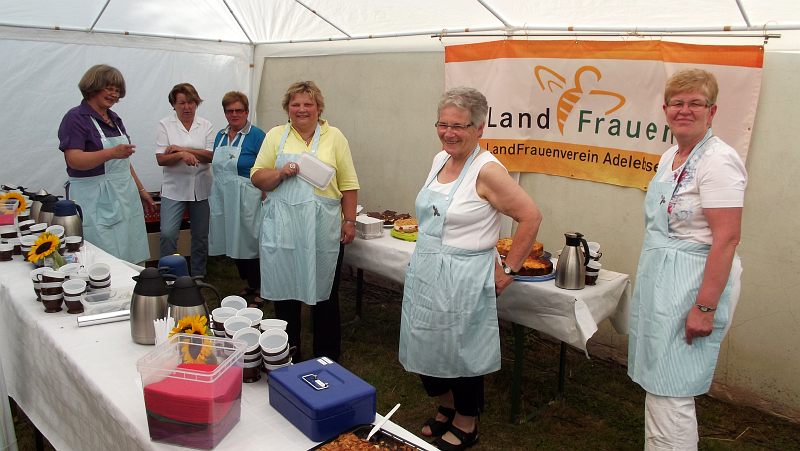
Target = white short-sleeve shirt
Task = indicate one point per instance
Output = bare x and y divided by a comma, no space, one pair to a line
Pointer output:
718,180
180,181
471,222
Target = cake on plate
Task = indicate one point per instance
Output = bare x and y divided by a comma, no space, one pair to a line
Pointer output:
504,247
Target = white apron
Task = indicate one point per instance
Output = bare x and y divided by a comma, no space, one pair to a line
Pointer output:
113,217
449,323
234,204
667,281
299,237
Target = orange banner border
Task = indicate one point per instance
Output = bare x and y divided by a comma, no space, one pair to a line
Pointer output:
728,55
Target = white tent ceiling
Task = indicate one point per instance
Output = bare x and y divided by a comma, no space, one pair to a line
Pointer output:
282,21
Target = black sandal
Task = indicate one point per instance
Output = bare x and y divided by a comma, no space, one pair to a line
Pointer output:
467,439
440,427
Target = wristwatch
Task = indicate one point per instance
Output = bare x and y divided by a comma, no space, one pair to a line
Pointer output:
705,308
507,269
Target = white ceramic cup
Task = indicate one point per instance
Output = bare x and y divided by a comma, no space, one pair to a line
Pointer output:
38,228
272,323
74,287
271,367
274,342
73,243
234,302
27,240
56,229
70,269
220,314
99,272
234,324
253,314
249,336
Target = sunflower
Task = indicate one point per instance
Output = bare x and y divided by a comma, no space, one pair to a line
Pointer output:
197,325
13,195
46,245
203,352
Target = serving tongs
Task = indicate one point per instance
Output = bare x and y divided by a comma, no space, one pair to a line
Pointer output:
380,424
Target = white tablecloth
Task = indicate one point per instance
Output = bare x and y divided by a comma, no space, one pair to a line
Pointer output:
571,316
80,386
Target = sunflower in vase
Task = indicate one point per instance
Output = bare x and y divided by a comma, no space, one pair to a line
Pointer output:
46,247
195,349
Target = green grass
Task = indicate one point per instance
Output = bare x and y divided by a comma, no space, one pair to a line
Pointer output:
602,408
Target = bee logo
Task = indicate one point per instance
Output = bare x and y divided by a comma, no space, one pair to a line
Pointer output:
587,75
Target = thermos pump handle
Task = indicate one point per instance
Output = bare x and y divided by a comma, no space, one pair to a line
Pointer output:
586,252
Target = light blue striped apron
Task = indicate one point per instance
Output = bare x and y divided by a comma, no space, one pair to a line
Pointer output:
113,218
449,324
667,282
299,237
234,203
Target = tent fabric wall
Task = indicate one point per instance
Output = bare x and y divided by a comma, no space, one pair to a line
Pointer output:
387,113
40,78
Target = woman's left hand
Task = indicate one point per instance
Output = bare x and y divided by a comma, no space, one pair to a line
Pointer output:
698,324
348,233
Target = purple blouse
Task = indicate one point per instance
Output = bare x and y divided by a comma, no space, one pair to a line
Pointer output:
78,132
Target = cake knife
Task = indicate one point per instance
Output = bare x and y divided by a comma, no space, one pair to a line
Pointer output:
380,424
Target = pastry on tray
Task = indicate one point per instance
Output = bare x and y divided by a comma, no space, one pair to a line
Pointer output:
504,247
388,216
406,225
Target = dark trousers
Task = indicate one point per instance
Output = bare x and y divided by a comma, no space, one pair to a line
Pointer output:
249,271
325,317
467,392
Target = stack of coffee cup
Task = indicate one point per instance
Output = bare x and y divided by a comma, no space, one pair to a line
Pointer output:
8,231
38,229
251,371
593,267
6,251
25,227
73,294
52,293
255,315
99,276
275,350
37,282
235,302
218,317
26,242
234,324
73,243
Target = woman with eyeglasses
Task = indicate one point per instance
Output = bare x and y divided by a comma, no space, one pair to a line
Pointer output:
306,226
688,279
449,332
235,203
184,144
102,180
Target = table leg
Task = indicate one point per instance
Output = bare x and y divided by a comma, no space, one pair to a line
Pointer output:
562,370
516,381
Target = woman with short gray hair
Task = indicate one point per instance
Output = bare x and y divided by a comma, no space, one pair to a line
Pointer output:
449,333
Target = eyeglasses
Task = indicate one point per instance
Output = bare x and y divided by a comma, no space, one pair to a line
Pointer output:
236,111
112,89
694,105
442,126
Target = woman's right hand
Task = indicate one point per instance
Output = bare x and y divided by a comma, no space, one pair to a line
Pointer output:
121,151
289,170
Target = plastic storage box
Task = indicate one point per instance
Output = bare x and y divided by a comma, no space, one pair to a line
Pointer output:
321,398
192,389
8,214
368,228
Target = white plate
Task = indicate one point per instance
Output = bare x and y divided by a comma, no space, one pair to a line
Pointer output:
550,276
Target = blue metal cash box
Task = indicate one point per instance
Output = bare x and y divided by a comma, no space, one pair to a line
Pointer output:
321,398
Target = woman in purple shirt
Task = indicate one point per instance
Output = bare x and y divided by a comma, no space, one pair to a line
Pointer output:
101,179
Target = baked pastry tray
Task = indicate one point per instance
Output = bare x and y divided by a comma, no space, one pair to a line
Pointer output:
382,437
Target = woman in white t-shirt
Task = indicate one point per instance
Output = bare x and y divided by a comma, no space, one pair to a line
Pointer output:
687,282
448,332
185,142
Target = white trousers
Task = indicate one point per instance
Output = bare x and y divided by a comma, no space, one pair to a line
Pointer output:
669,423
